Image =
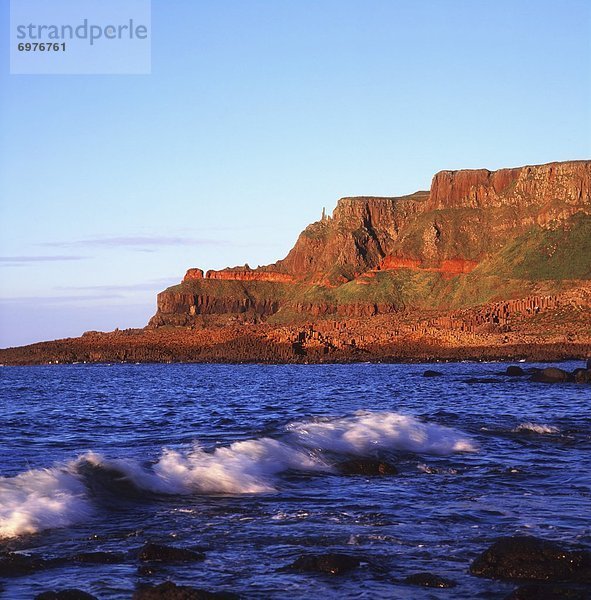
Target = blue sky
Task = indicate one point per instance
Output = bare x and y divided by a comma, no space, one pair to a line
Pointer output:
256,115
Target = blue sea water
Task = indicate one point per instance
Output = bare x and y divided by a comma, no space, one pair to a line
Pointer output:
241,462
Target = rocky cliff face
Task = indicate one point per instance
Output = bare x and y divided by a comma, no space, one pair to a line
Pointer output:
356,238
567,184
465,241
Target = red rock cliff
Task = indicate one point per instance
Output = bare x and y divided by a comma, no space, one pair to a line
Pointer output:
568,182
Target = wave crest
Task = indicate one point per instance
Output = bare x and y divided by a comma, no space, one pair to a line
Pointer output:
61,496
366,432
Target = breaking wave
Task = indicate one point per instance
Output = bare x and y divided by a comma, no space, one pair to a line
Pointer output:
63,495
41,499
369,431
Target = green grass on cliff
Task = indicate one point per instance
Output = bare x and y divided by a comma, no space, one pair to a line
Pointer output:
546,254
219,288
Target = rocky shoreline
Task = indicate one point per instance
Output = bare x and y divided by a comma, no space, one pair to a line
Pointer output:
540,568
154,349
423,336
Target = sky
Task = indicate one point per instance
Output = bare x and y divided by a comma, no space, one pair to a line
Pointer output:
256,115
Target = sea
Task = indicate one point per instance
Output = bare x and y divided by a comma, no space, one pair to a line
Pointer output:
241,462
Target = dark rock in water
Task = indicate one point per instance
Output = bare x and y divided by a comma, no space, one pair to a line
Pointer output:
589,364
582,375
168,554
551,375
102,558
171,591
147,570
70,594
553,591
429,580
531,558
335,564
366,466
430,373
14,564
514,371
481,380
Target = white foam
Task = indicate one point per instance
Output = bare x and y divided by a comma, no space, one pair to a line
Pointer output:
41,499
369,431
536,428
247,467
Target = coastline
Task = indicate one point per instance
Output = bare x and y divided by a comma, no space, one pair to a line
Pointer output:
77,351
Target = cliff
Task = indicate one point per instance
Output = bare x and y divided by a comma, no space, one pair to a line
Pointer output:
476,236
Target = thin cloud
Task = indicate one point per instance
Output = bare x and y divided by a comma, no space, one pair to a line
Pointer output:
37,300
137,242
147,286
21,261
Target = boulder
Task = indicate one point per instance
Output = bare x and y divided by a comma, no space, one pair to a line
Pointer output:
69,594
514,371
168,554
530,558
429,580
551,375
366,466
14,564
582,375
430,373
334,564
171,591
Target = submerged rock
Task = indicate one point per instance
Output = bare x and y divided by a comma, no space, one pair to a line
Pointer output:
171,591
14,564
430,373
582,375
551,375
102,558
69,594
482,380
429,580
366,466
169,554
531,558
335,564
555,591
514,371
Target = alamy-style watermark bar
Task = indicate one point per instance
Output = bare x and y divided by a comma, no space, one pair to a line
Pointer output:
51,37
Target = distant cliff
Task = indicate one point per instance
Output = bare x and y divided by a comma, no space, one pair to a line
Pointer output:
477,236
486,265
